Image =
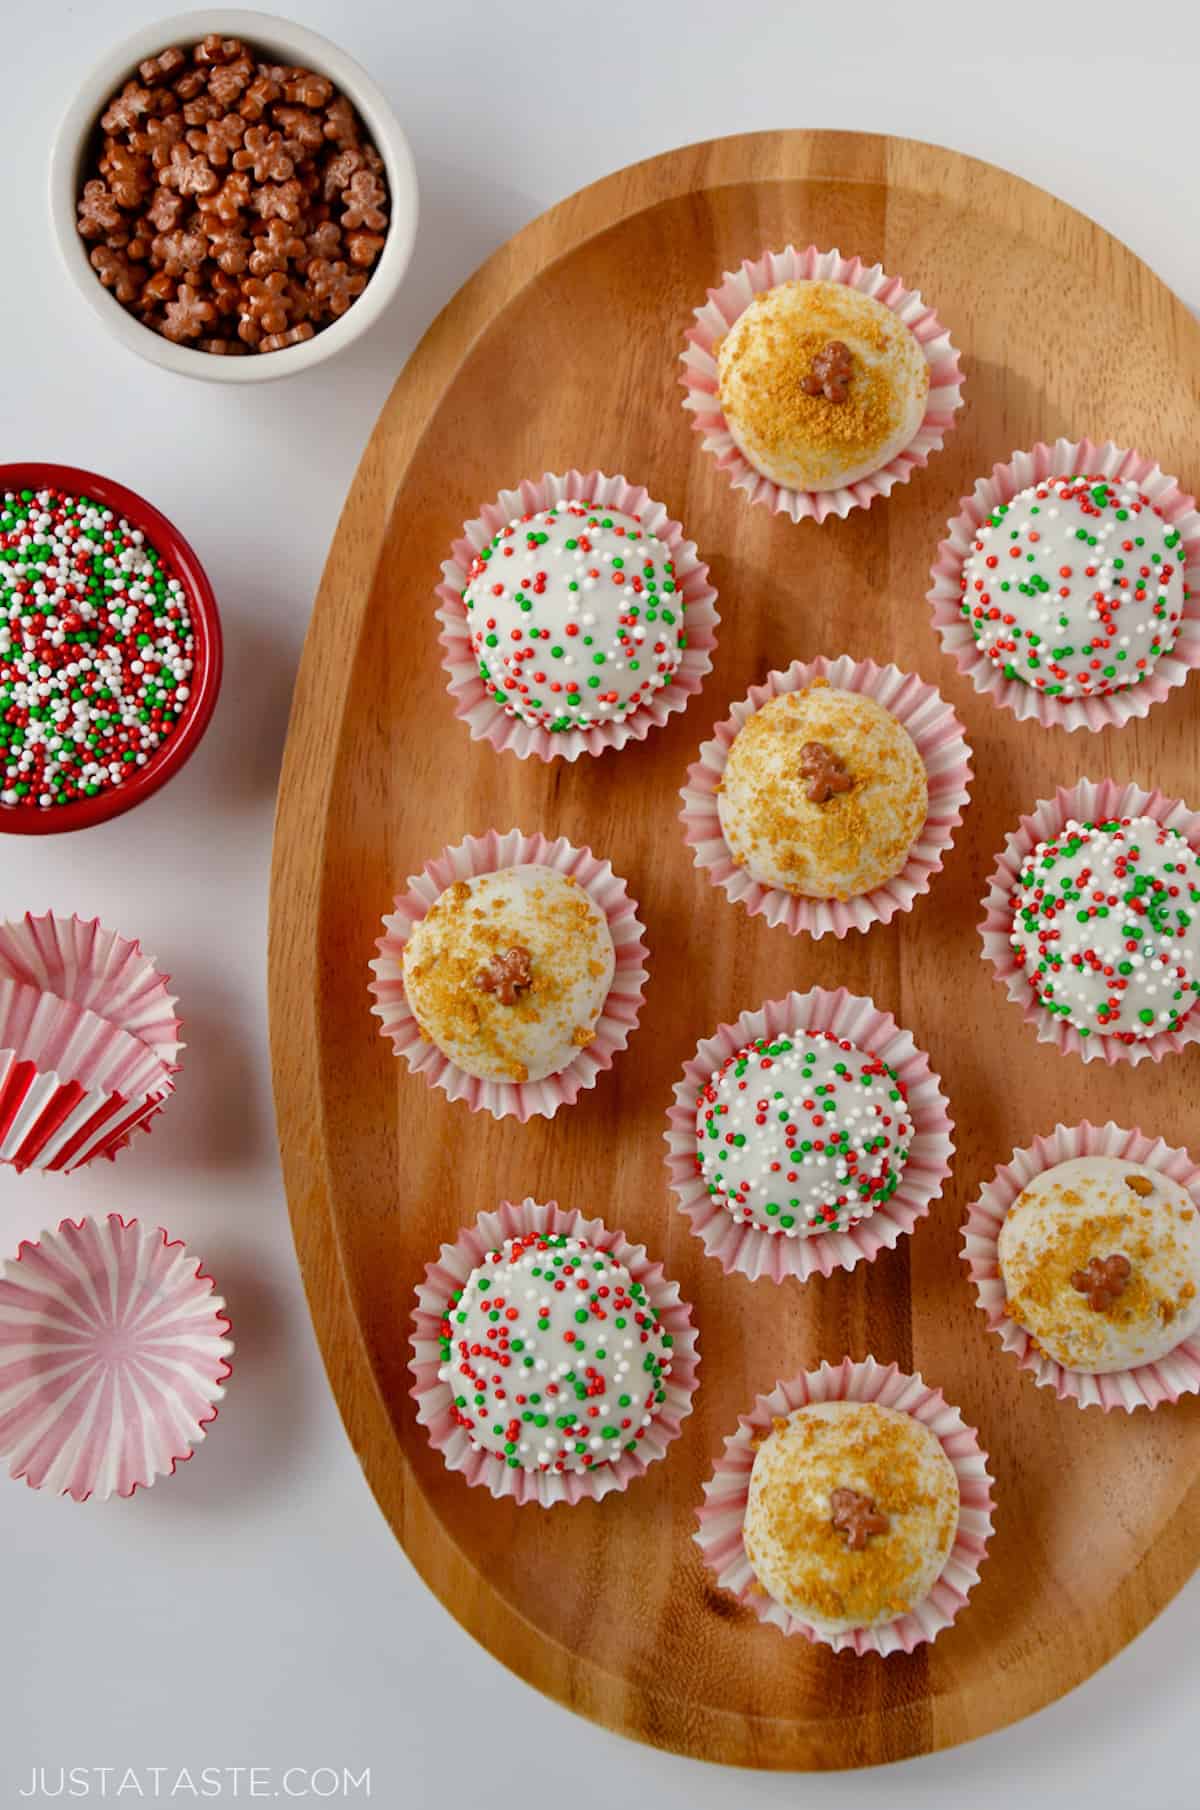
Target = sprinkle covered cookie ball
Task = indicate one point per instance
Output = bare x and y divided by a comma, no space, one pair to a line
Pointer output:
1105,927
575,616
1075,587
554,1355
802,1134
96,649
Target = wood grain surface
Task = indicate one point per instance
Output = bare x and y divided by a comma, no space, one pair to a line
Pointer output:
563,350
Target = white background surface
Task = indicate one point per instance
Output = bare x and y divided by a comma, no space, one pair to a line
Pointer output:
256,1609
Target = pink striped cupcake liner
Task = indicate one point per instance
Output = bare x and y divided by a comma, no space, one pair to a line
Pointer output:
434,1398
1066,458
942,745
473,701
1088,801
89,1042
733,296
1144,1386
748,1250
723,1512
114,1352
483,855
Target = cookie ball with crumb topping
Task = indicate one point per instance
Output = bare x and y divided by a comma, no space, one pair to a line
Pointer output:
823,794
1100,1260
820,384
852,1513
508,972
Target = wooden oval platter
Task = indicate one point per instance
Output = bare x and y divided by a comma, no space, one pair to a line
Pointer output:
563,350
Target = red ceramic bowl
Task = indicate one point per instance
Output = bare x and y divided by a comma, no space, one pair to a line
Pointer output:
207,656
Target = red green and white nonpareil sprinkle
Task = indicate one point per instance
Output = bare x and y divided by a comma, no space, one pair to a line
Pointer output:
96,649
1075,586
802,1133
554,1355
1106,927
575,616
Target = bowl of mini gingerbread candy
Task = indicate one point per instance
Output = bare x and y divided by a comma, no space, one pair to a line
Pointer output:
233,196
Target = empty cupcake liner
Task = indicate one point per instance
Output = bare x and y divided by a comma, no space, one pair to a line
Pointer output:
1066,458
749,1250
1145,1385
733,296
473,700
1089,801
483,855
114,1353
940,742
434,1398
723,1511
89,1042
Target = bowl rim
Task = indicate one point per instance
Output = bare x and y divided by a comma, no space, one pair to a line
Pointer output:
286,38
208,656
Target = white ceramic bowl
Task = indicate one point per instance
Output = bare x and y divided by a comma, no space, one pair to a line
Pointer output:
290,44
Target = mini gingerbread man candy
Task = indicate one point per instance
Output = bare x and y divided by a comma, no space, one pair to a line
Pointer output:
265,302
1103,1281
165,210
128,175
126,109
218,139
363,248
325,240
187,86
199,111
117,273
341,123
189,174
831,371
228,247
216,49
299,127
279,201
340,169
188,314
160,137
229,201
158,289
228,81
825,773
265,155
506,976
226,293
309,90
98,213
156,70
856,1518
335,286
365,202
276,248
260,95
295,336
179,252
